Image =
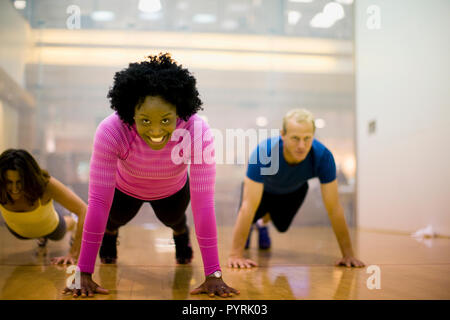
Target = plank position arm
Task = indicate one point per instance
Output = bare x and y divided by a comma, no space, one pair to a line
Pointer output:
335,211
251,199
72,202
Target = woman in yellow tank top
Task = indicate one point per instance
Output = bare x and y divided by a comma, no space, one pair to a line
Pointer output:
26,203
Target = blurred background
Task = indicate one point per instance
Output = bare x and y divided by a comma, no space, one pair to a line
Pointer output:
380,93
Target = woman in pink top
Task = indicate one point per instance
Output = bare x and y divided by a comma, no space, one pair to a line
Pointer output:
141,154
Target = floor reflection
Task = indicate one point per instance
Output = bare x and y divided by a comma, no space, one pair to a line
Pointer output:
298,266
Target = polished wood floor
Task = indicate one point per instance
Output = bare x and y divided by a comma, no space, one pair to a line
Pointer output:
299,266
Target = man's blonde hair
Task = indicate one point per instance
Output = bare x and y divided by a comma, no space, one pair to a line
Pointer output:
299,115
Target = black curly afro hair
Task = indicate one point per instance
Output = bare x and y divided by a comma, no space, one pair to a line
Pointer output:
160,76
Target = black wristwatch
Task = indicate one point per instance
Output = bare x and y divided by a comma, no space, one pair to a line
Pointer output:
215,275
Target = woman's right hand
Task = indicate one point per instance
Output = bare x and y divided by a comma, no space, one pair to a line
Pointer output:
88,287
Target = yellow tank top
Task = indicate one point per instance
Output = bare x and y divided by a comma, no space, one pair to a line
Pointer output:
32,224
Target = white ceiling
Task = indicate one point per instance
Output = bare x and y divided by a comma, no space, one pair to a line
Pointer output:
226,16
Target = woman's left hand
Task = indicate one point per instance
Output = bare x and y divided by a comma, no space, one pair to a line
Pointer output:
214,286
68,259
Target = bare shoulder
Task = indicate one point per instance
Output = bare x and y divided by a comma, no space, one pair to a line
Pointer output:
53,187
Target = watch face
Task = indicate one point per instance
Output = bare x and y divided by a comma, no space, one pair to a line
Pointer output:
217,274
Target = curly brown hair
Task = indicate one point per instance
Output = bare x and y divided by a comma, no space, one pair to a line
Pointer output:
159,76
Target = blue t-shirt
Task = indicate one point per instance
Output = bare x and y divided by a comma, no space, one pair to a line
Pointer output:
278,176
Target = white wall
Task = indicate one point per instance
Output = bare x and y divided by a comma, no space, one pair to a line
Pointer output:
8,127
15,42
403,82
15,46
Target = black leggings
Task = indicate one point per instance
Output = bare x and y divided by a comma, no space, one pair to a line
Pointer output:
281,207
171,211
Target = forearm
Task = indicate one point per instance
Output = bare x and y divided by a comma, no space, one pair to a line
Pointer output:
202,204
208,247
76,246
340,229
202,185
241,231
100,200
73,203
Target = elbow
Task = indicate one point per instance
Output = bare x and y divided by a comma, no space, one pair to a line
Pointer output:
246,209
81,213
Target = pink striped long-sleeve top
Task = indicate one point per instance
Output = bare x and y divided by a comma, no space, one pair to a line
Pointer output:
121,159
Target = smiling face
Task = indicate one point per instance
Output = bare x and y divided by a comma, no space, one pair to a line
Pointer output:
297,140
14,185
155,120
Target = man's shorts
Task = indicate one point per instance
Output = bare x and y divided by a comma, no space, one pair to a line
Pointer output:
281,207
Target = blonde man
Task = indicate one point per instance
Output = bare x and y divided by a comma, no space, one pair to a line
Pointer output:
276,196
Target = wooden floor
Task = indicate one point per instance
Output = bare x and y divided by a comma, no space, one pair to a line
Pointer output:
299,266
